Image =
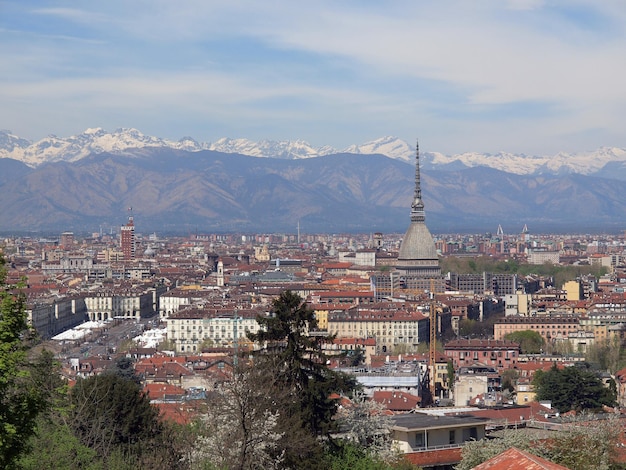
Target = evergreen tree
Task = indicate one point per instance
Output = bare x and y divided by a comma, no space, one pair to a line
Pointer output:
293,362
111,414
573,388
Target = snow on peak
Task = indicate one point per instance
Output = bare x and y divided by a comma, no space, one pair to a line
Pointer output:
391,146
98,140
93,130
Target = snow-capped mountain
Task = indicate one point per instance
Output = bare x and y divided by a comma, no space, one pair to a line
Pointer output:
97,140
270,148
123,140
389,146
585,163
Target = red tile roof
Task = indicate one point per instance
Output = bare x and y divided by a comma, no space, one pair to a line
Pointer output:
158,391
397,401
515,459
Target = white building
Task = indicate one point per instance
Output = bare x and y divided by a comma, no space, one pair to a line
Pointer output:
191,328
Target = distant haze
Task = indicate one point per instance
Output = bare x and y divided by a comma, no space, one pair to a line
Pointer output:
88,181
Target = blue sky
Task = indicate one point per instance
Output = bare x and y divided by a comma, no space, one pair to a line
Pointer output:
523,76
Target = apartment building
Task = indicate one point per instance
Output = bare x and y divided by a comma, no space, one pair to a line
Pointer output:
498,354
550,327
391,325
191,329
120,302
50,317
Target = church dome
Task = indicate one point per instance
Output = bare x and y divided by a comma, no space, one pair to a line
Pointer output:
417,244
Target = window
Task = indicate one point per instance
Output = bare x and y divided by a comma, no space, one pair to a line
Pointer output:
452,439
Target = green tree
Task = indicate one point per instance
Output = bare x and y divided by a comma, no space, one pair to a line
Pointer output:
56,447
509,377
609,355
125,368
20,400
531,342
292,360
573,388
111,414
350,456
450,375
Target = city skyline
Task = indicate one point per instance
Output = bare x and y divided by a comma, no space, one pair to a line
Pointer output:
519,76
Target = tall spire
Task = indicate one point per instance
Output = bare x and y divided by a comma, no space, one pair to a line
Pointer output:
417,208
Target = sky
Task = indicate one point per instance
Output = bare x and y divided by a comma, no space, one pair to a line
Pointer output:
521,76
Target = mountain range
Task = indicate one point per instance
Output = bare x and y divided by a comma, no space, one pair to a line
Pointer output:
86,181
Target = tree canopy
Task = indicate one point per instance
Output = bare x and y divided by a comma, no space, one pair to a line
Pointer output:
573,388
530,341
110,412
20,400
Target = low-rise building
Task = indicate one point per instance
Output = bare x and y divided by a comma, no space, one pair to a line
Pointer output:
419,432
499,354
477,381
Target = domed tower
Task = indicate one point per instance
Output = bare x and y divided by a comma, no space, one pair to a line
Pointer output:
418,257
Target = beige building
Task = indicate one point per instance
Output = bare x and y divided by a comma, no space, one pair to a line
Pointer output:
391,327
517,304
53,316
414,432
106,305
573,290
471,382
261,253
550,327
525,391
543,256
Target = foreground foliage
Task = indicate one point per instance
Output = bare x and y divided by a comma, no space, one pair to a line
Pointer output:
239,427
583,444
293,362
20,399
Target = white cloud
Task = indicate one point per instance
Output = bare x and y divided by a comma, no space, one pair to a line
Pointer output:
447,66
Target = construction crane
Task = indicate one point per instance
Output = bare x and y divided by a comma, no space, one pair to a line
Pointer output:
432,350
427,389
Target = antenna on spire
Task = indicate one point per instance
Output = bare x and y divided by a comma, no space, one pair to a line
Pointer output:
418,186
417,207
